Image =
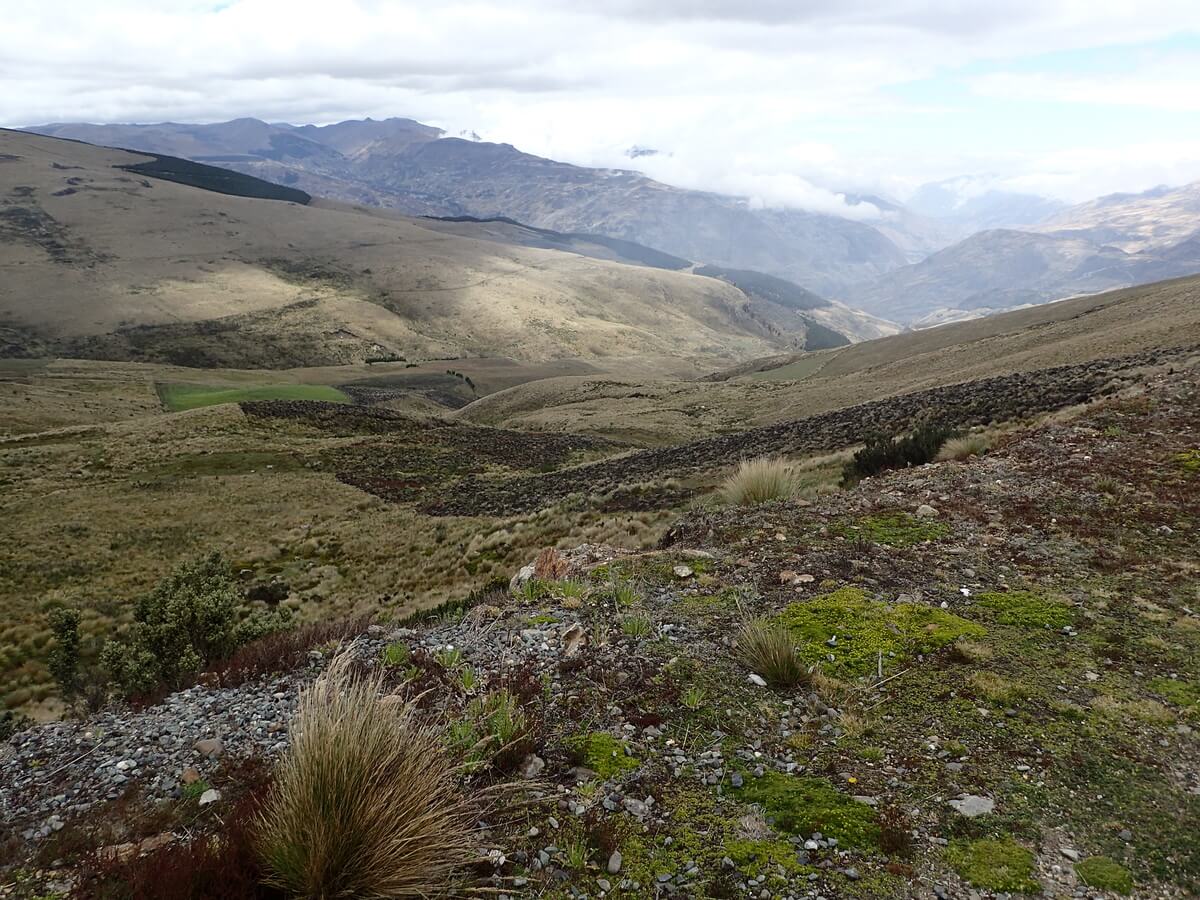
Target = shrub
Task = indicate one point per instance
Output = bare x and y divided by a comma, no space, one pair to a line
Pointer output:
64,657
769,650
282,650
12,722
881,452
758,481
189,620
365,801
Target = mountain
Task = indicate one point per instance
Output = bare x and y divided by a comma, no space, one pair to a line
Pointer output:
1155,219
114,255
969,204
400,164
1003,269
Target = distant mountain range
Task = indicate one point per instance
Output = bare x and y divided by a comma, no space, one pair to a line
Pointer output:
958,248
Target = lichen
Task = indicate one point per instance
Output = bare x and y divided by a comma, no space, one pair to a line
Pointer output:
999,865
861,629
1026,609
1105,874
802,806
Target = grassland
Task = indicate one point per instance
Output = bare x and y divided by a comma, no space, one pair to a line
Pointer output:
179,397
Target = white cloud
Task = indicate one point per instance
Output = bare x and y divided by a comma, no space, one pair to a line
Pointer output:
783,101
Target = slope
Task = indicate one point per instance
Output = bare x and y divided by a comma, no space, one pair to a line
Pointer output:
102,263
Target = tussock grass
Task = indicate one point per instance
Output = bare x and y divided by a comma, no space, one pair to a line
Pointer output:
769,650
964,447
365,801
759,481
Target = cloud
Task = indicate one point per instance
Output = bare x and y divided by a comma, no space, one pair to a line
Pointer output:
786,102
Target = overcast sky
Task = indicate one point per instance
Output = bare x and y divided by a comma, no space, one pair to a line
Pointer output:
780,100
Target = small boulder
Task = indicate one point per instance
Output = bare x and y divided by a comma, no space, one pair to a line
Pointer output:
212,795
925,511
972,805
614,862
210,747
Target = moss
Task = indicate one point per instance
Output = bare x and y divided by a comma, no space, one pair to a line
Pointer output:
602,753
865,628
895,529
1181,693
1106,874
543,619
802,806
1188,460
756,857
999,865
1026,609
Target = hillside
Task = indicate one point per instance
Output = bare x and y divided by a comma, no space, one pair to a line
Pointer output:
402,165
1117,323
101,262
1002,269
1158,218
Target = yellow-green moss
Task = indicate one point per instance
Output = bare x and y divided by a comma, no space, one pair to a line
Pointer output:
755,857
602,753
1026,609
802,806
1188,460
1181,693
896,529
864,628
999,865
1106,874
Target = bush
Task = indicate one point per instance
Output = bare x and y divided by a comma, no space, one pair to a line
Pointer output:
881,452
769,649
192,618
64,657
12,722
365,802
759,480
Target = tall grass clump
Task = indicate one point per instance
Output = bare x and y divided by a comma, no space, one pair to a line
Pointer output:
365,801
965,447
769,650
758,481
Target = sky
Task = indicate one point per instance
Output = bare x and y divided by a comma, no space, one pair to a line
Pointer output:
788,102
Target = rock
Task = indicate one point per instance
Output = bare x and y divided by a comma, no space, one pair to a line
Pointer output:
972,805
1069,853
755,678
573,638
614,862
190,775
523,575
210,747
925,511
682,571
212,795
532,765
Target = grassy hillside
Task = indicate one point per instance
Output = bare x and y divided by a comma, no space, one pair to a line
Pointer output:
103,263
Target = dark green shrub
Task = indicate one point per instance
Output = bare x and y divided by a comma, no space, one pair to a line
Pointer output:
11,722
64,657
192,618
882,452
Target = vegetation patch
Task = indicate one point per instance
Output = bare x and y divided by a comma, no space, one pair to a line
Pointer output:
1105,873
999,865
855,630
178,397
1178,692
759,481
1189,460
895,529
602,753
1026,609
802,806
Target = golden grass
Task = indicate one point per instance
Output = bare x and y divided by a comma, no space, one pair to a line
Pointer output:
965,447
365,801
769,650
759,481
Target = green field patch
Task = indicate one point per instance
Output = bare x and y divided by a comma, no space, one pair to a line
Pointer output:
894,529
177,397
802,806
602,753
999,865
1026,609
855,630
1105,874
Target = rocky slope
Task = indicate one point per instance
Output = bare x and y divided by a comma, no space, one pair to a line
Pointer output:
1009,650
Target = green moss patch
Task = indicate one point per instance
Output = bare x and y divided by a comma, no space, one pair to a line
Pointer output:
1026,609
895,529
1188,460
1178,692
1105,874
756,857
999,865
802,806
602,753
864,628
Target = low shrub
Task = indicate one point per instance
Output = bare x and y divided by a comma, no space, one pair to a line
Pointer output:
365,801
193,617
964,447
769,650
758,481
882,452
